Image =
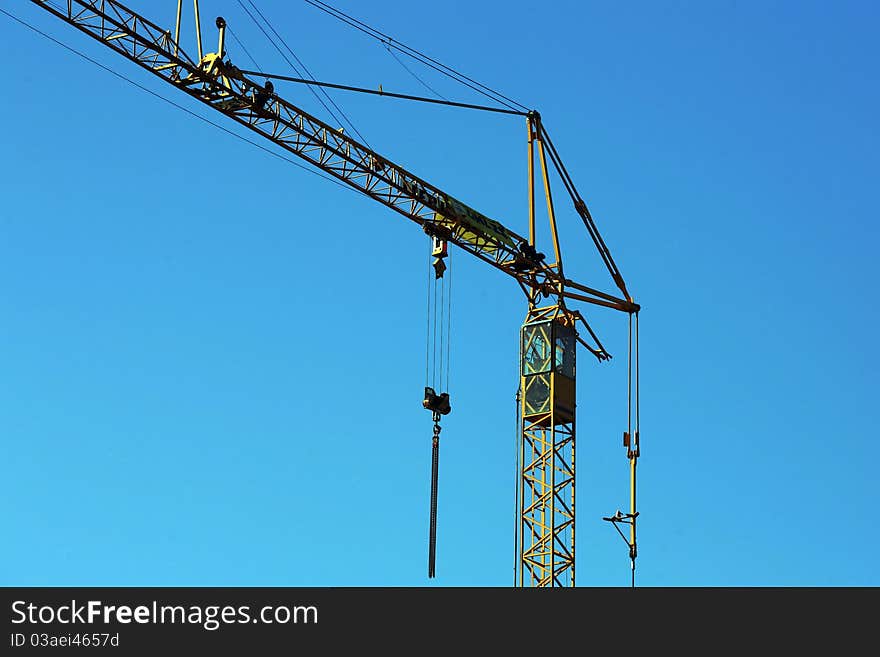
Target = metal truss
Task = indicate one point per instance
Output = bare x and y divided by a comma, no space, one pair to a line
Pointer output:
547,450
547,510
217,83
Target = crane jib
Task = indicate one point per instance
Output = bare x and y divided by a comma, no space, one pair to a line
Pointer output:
474,227
468,225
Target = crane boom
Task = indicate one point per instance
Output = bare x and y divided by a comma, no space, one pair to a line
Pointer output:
225,88
547,392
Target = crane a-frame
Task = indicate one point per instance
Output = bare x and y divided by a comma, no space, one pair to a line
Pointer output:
552,330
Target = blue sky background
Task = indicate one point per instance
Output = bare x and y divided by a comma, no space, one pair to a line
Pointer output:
211,361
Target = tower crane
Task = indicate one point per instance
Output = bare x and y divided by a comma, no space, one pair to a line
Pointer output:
553,326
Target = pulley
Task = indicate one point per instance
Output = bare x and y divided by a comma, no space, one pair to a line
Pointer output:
437,403
439,252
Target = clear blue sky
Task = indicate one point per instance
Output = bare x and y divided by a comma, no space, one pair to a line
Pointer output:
211,361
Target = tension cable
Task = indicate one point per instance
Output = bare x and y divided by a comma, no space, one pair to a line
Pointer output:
631,442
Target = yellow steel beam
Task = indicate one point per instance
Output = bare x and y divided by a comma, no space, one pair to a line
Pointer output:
550,212
198,28
531,128
177,29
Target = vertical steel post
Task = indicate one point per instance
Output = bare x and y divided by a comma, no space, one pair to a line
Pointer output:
550,211
531,127
198,28
177,29
221,46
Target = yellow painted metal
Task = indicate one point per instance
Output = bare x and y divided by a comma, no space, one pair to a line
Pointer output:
472,226
177,29
547,481
551,214
531,128
198,28
632,499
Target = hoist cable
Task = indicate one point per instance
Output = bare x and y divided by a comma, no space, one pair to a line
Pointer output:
441,344
428,325
629,358
415,54
449,328
289,63
413,73
637,374
294,67
177,105
309,73
434,338
638,446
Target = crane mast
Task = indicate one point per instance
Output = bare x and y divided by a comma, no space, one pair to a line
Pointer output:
549,335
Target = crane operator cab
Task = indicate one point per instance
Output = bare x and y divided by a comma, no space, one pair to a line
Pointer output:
548,370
